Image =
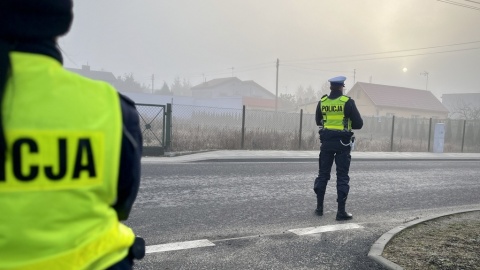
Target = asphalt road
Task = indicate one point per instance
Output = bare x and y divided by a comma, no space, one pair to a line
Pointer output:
248,212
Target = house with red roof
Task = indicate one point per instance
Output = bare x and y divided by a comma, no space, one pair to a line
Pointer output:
253,95
385,100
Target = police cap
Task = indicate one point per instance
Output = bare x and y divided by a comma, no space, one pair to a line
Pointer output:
339,80
34,19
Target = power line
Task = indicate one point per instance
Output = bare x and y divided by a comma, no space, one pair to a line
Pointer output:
318,60
260,64
237,70
229,72
271,64
397,51
473,1
315,69
460,4
390,57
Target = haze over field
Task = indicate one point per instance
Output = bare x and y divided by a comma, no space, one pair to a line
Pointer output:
381,41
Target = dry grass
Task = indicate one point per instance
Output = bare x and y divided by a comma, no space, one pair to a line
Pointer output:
189,137
206,128
446,243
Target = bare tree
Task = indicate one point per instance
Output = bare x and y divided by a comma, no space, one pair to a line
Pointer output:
287,100
325,90
165,90
180,88
310,94
300,94
466,110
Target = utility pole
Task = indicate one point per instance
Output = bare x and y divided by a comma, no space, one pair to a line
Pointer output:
153,81
426,75
276,88
232,71
354,72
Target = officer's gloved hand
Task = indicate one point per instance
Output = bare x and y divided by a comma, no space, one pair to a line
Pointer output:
137,250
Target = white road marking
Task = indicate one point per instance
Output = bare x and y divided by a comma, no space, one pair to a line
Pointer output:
207,243
328,228
179,246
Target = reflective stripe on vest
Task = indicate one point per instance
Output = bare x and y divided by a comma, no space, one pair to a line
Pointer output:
63,136
333,113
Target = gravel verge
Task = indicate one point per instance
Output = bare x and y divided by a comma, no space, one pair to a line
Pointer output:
450,242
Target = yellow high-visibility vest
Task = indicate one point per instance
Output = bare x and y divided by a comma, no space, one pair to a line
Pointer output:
63,135
333,113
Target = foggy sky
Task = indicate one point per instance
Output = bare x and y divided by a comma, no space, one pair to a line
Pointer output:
313,39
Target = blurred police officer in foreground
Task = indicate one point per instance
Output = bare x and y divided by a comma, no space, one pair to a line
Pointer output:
70,151
336,116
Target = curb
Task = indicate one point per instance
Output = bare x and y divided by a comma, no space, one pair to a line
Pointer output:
259,159
184,159
306,159
299,156
377,248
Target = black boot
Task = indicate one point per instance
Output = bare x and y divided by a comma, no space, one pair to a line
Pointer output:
320,196
319,210
341,213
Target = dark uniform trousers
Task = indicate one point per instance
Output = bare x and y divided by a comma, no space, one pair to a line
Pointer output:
333,150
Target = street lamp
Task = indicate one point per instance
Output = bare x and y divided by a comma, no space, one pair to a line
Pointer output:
426,75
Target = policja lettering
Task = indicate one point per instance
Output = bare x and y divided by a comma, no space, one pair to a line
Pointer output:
332,108
61,134
48,158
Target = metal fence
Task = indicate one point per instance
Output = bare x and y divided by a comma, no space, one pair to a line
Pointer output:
153,126
204,128
416,135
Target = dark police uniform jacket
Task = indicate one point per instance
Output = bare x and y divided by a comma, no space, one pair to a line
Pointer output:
350,112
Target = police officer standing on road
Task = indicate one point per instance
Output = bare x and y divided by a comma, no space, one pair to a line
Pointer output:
70,151
336,116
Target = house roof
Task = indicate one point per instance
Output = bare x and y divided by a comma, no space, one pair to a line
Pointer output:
215,82
401,97
250,82
93,74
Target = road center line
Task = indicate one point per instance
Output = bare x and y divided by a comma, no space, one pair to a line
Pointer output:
328,228
179,246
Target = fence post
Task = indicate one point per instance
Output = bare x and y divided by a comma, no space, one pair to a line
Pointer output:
429,134
243,127
463,135
391,137
300,131
168,128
